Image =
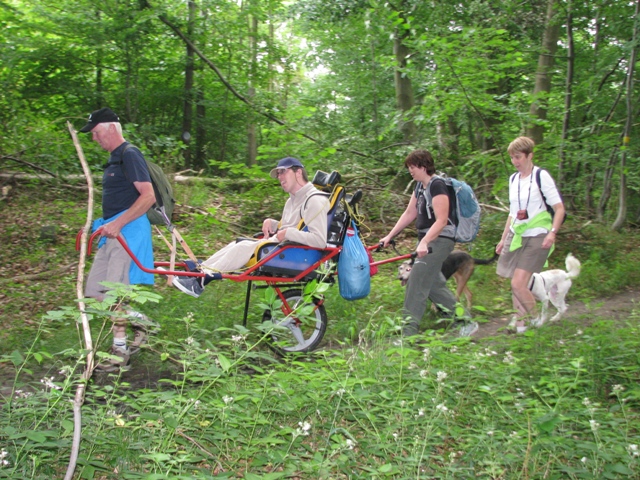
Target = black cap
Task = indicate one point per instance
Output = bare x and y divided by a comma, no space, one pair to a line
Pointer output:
287,162
104,115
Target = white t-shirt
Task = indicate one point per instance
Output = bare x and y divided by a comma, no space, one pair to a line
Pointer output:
530,197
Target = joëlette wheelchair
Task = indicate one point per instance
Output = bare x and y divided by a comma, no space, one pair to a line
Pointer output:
289,268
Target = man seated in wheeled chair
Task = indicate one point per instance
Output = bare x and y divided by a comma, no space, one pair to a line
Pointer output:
304,203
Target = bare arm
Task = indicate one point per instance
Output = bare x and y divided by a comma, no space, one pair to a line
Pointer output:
441,211
146,199
558,216
507,226
407,217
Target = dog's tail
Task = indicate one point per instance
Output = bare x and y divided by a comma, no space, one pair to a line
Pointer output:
479,261
573,266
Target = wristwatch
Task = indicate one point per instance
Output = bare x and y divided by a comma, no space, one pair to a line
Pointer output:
553,230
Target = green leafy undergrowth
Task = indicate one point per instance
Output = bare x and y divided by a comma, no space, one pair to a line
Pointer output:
559,402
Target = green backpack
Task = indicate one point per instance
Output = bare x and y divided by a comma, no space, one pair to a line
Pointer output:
161,211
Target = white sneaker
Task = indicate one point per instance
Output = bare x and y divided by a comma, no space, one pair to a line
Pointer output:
512,325
468,329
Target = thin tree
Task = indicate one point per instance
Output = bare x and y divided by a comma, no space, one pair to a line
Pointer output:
626,135
542,87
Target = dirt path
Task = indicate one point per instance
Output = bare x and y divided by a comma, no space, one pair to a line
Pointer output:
617,307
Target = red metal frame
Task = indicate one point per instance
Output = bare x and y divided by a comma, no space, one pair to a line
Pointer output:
330,252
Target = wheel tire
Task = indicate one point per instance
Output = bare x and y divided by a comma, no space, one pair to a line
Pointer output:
302,336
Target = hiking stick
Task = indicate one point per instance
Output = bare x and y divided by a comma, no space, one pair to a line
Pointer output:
78,400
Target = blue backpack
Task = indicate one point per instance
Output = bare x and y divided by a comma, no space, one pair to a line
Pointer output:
465,209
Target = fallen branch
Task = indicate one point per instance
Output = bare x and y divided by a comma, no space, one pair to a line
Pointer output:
35,276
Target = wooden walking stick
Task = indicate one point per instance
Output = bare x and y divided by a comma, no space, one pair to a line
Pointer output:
78,400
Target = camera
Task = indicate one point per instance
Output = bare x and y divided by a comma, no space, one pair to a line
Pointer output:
522,214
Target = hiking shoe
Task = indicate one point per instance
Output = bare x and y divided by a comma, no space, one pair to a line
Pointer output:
512,325
189,285
522,329
118,361
140,337
537,322
468,329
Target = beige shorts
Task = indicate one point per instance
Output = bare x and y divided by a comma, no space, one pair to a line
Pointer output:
530,257
111,264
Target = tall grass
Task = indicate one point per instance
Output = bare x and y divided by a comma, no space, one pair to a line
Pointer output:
559,402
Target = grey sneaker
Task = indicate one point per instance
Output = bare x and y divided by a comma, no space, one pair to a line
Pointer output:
119,360
468,329
189,285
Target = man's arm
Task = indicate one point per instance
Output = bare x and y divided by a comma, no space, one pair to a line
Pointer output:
144,202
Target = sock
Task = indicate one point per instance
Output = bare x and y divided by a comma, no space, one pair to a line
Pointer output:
120,343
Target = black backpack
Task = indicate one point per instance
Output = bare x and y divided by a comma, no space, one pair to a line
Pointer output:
161,211
539,182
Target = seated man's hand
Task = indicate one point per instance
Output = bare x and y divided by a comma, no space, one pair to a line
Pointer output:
281,234
267,227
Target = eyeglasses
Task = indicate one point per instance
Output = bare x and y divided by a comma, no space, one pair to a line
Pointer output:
281,171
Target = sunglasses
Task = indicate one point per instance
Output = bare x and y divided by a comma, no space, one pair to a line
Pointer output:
281,171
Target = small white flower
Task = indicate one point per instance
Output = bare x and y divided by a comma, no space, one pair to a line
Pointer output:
424,373
440,376
189,341
421,412
227,399
490,433
395,436
303,428
454,349
579,332
48,382
594,425
583,459
412,366
340,392
633,450
442,407
586,402
472,367
350,444
237,338
426,353
513,434
617,388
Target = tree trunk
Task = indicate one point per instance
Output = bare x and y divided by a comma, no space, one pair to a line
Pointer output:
404,89
201,131
542,88
566,121
252,141
187,111
626,135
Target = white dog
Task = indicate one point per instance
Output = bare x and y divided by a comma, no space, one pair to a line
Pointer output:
553,286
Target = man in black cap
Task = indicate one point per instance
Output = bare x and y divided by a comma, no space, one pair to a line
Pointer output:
303,204
127,194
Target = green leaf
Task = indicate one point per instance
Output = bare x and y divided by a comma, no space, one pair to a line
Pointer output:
225,364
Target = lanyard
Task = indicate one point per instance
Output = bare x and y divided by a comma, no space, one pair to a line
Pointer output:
529,196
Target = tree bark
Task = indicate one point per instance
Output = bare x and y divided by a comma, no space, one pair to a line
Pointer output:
187,111
566,121
626,135
252,140
542,88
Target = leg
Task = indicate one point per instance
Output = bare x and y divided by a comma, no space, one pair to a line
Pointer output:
111,264
426,281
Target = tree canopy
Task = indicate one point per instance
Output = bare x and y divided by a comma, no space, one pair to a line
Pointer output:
348,84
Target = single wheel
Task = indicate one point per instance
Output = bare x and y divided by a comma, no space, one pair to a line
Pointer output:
295,334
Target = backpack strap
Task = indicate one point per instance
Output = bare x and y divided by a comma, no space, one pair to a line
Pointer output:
429,198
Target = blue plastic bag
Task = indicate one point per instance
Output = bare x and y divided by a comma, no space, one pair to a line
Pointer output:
354,277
